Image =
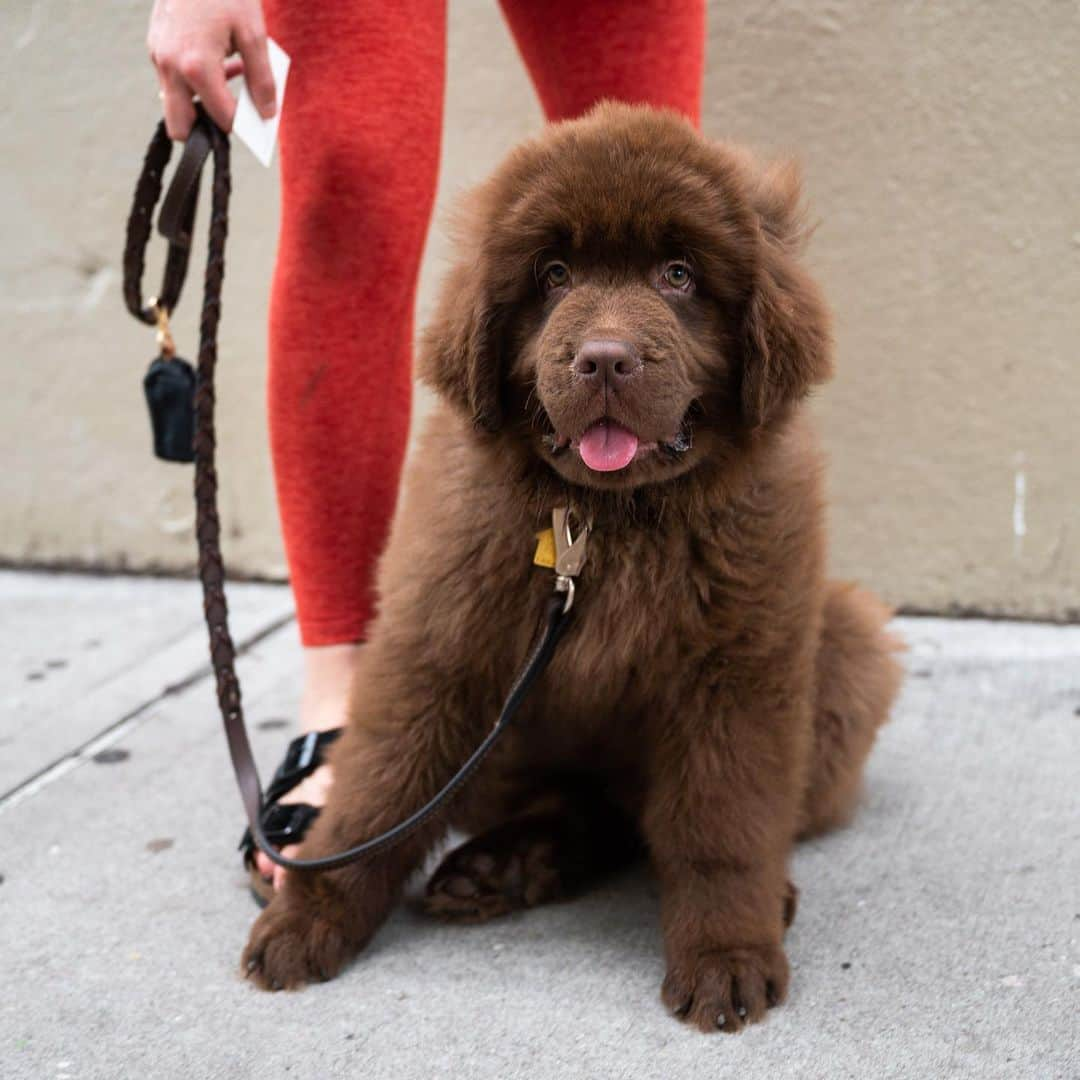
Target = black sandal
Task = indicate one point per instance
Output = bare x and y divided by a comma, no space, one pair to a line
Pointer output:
288,823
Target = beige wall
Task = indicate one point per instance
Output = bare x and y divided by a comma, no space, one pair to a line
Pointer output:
941,144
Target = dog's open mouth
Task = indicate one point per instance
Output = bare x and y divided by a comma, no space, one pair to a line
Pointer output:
608,446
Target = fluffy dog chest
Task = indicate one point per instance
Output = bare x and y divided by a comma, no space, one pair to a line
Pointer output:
638,609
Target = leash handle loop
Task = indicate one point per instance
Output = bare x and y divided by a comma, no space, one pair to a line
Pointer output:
177,219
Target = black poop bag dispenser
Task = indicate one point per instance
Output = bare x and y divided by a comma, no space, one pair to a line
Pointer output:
169,385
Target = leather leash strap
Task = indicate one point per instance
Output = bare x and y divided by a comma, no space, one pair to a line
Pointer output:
176,223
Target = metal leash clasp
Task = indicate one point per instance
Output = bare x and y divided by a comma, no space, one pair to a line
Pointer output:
164,331
569,551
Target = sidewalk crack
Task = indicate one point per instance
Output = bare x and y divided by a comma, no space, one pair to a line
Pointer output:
79,755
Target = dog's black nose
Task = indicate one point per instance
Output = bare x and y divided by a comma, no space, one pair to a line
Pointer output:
607,360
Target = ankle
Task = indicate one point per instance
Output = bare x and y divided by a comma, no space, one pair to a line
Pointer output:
328,671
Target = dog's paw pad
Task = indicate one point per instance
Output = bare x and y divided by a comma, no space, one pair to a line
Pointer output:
494,874
473,889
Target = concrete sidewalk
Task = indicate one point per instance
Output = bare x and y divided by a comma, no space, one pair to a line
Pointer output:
937,937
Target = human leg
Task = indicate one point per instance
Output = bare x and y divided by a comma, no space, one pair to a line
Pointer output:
579,52
359,156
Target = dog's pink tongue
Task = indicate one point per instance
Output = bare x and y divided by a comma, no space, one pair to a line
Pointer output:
607,446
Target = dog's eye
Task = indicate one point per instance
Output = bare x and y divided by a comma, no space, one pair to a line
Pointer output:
677,276
555,275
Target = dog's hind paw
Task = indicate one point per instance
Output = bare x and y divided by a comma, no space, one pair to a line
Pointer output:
514,866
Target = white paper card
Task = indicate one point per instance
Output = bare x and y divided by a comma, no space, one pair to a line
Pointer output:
249,127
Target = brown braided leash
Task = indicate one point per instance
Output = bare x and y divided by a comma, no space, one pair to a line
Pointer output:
177,220
176,223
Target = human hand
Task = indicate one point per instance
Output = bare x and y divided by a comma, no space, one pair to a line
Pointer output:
191,44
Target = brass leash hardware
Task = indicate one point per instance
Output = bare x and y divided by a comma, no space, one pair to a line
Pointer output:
164,331
569,551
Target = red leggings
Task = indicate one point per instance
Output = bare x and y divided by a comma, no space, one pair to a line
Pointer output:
360,139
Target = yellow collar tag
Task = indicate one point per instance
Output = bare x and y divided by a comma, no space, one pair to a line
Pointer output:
545,549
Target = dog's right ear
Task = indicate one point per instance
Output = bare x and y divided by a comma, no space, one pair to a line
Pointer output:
460,349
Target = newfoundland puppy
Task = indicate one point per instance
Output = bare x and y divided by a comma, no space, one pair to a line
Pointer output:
627,332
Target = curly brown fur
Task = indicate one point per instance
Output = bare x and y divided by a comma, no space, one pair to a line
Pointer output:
714,697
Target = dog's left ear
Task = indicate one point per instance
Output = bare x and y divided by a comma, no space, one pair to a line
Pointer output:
460,349
787,336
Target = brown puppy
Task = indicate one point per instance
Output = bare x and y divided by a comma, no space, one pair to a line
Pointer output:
627,332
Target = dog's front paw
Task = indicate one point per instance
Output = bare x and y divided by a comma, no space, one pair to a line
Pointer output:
725,989
294,943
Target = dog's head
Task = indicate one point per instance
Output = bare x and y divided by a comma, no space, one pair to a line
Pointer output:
627,301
